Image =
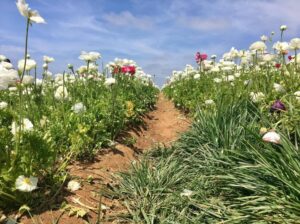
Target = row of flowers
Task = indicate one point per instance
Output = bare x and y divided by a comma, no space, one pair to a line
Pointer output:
48,120
269,80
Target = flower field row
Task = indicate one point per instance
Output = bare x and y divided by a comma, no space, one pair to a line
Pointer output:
239,163
45,122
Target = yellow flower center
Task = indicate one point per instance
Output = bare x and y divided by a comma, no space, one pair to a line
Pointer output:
27,181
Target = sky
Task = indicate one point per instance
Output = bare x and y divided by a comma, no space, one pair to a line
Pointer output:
160,35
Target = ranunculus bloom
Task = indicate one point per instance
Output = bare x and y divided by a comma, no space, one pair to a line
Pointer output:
200,57
7,78
25,11
78,108
110,81
26,184
277,106
258,46
48,59
61,93
30,64
290,57
26,126
73,185
3,105
89,56
277,65
272,137
128,69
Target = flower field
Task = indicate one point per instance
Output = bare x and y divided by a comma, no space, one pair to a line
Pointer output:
239,163
70,142
47,122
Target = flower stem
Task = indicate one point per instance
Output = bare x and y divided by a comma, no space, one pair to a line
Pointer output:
26,48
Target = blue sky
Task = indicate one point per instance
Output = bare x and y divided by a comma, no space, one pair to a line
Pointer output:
160,35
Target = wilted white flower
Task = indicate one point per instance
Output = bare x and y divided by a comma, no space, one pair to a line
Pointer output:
271,136
209,102
26,184
258,46
257,97
110,81
30,64
25,126
25,11
48,59
283,27
186,193
61,93
73,185
89,56
78,108
278,88
3,105
27,79
264,38
295,44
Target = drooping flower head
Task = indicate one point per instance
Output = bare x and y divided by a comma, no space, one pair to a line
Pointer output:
277,106
25,11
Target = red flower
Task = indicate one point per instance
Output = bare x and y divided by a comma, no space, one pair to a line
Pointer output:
290,57
116,70
277,65
200,57
128,69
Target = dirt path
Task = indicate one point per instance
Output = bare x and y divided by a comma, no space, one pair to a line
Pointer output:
161,126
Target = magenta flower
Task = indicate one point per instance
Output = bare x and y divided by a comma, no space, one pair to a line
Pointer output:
277,106
200,57
128,69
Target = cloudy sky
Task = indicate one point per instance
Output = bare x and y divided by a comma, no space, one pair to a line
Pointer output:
160,35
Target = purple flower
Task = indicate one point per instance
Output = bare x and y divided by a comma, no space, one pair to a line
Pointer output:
277,106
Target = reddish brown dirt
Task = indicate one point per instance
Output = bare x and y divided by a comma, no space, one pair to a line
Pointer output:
162,126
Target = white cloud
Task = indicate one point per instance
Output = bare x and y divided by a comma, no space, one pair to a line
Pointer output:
128,20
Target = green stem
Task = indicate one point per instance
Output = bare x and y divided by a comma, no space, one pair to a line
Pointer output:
26,48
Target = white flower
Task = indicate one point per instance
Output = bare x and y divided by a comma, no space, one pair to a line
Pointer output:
27,79
295,44
110,81
197,76
89,56
213,56
217,80
73,185
6,65
209,102
26,126
229,78
2,57
7,78
215,69
278,88
25,11
268,57
61,93
271,136
281,47
30,64
257,97
297,95
283,27
78,108
3,105
258,46
48,59
26,184
237,74
186,193
12,89
264,38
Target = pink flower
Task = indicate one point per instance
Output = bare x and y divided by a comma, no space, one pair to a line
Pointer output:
200,57
128,69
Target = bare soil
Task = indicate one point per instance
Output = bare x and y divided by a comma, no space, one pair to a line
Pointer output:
162,126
